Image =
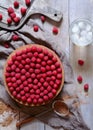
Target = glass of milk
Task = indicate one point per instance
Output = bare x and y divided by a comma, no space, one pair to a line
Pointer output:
81,32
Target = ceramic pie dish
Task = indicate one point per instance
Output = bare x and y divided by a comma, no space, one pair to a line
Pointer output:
33,75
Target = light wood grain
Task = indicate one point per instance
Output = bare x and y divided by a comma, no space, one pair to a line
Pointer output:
83,9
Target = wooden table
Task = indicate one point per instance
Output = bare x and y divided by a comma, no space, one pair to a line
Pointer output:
72,9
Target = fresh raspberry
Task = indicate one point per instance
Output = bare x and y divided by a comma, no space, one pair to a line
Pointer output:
38,76
31,70
86,87
40,100
55,30
46,58
45,92
28,49
7,74
38,60
50,55
45,84
33,49
24,56
43,18
49,62
11,89
10,10
39,84
23,78
48,67
25,83
28,60
13,79
36,54
14,93
48,79
33,75
19,58
23,11
26,89
29,100
6,45
16,4
54,91
37,71
38,91
79,79
9,21
8,69
27,74
32,96
13,67
81,62
17,89
18,82
8,80
42,80
33,59
18,96
49,73
45,98
50,95
9,84
22,92
27,2
16,20
53,67
27,95
44,75
23,98
17,70
57,64
54,59
35,87
49,88
16,63
53,78
58,82
41,94
15,37
10,62
12,15
32,64
51,83
42,89
1,17
35,101
29,55
43,69
29,80
39,50
35,28
59,70
59,76
41,55
45,51
37,96
17,75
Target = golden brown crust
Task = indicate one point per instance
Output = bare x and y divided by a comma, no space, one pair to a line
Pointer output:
43,47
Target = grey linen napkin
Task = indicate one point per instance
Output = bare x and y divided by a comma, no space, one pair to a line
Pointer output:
75,120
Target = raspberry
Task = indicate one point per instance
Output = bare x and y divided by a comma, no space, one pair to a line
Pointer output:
28,60
55,30
41,55
9,21
49,62
38,60
29,100
54,59
86,87
45,92
22,92
81,62
35,81
79,79
35,87
35,28
19,58
11,89
9,84
16,63
50,95
37,91
40,100
23,11
18,96
45,98
26,89
13,67
18,82
10,10
48,67
39,50
33,59
13,79
57,64
33,75
1,17
23,98
43,69
46,58
43,18
59,76
45,84
16,4
36,54
17,75
59,70
53,67
27,74
23,78
12,15
14,93
32,64
37,71
16,20
15,37
29,80
6,45
27,2
50,55
35,101
54,91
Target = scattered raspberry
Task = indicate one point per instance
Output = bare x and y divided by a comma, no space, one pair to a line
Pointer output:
55,30
6,45
43,18
81,62
16,20
27,2
23,11
12,15
15,37
35,28
86,87
9,21
16,4
1,17
10,10
79,79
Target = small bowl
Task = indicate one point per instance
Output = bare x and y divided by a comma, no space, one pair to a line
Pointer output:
81,32
60,108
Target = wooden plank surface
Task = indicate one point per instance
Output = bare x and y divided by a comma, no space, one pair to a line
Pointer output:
83,9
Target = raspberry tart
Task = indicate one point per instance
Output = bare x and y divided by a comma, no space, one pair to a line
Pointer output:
33,75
